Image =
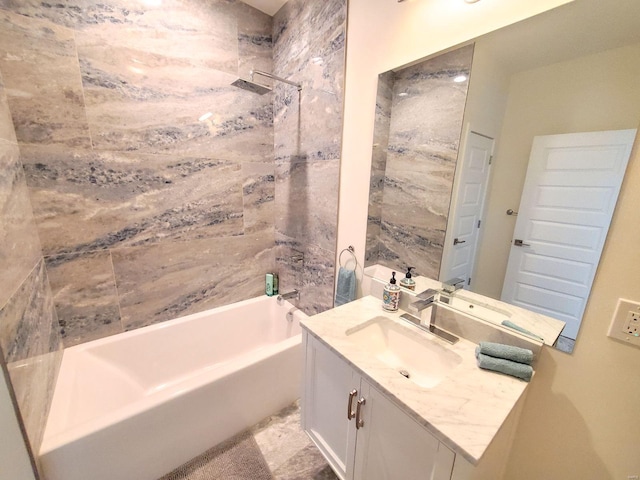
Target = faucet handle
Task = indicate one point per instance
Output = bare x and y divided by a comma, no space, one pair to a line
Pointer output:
453,284
428,293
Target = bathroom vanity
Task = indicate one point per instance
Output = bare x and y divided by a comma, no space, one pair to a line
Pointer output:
384,399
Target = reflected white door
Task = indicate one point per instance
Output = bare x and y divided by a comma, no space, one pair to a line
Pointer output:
460,251
568,199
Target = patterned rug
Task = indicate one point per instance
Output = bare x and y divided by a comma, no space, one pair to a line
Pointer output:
236,459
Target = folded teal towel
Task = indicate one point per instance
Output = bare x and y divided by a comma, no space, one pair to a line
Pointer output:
518,328
515,369
508,352
346,290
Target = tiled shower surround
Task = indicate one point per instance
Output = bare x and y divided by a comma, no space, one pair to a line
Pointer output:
157,188
413,161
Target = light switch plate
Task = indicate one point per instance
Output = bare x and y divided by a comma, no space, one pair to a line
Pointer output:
625,325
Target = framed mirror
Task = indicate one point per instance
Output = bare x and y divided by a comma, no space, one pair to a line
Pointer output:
566,72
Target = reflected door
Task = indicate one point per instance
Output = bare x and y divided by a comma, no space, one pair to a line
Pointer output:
462,240
568,199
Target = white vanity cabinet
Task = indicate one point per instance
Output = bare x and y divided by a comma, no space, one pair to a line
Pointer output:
363,434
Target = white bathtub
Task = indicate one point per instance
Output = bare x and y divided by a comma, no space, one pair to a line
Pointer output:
136,405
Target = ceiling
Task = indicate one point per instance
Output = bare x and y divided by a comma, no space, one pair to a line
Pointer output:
270,7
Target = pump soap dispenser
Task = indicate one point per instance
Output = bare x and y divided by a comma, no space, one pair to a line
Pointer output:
407,281
391,295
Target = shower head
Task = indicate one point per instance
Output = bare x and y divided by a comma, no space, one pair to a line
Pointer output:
251,86
257,87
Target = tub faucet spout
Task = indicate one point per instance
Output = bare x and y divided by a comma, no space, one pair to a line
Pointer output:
294,294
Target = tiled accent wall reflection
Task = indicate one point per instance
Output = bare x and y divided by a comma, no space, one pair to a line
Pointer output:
309,48
409,201
29,335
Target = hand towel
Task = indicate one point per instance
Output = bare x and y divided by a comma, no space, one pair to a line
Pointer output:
508,352
346,290
518,328
515,369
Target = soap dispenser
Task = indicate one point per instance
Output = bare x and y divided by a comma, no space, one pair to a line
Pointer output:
407,281
391,295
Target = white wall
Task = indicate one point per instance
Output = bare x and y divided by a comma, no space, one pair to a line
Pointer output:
580,419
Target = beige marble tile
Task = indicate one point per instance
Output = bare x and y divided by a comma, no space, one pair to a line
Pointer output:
30,340
19,243
254,41
165,281
88,200
40,69
306,201
258,191
420,162
203,31
309,49
7,132
85,296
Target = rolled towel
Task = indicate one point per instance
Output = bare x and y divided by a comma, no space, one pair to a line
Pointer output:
515,369
346,289
508,352
518,328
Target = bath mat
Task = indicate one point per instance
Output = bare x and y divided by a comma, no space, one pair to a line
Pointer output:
237,459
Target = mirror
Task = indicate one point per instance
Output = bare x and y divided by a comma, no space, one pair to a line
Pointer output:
569,70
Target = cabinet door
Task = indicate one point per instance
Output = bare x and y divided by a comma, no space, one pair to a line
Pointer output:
391,445
328,381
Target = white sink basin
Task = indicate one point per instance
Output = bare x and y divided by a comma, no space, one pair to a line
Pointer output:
405,349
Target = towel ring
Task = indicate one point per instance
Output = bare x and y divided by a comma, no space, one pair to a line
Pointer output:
350,250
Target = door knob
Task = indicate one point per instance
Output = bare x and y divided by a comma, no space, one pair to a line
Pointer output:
456,241
518,243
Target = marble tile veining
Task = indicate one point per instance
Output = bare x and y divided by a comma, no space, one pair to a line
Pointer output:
19,243
258,191
420,159
209,273
306,201
87,200
7,132
85,296
39,66
200,31
31,343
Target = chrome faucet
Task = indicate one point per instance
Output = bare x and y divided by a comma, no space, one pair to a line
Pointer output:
425,299
452,285
293,294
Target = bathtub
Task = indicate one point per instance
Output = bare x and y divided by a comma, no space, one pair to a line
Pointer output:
136,405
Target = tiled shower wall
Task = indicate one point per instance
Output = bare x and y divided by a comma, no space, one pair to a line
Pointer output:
153,182
309,48
30,342
409,208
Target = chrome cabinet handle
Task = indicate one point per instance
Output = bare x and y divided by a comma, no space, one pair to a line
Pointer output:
456,241
518,243
352,395
359,421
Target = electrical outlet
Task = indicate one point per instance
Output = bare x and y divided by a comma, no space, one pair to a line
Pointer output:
625,325
632,324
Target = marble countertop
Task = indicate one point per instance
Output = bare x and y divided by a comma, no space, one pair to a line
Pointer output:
464,411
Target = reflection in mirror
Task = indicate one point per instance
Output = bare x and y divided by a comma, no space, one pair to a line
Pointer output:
572,70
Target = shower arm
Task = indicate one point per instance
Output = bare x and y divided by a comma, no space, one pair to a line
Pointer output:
274,77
